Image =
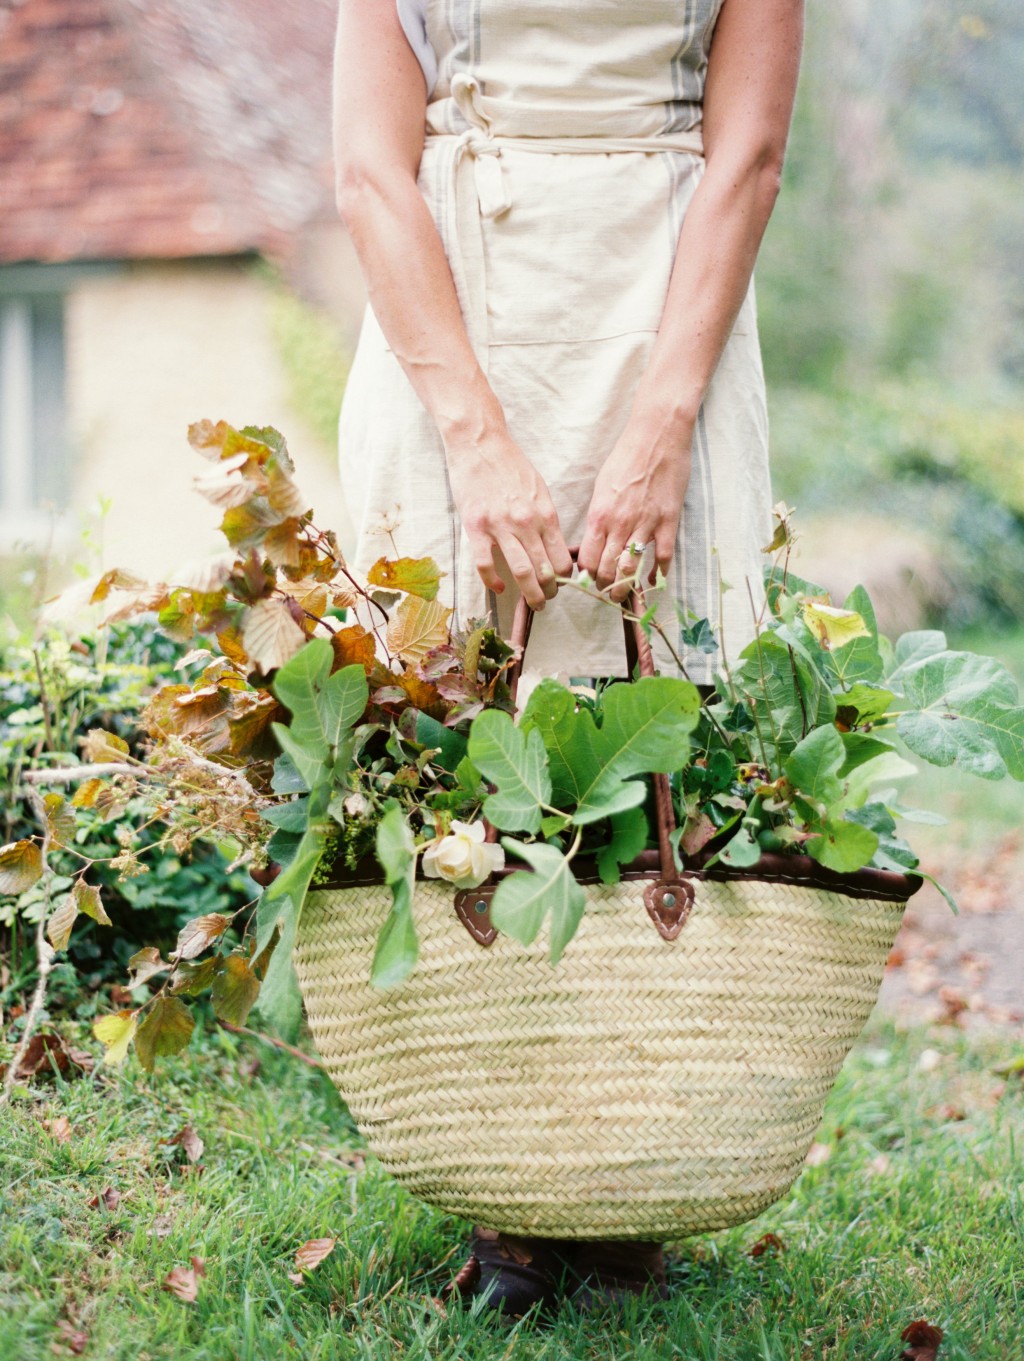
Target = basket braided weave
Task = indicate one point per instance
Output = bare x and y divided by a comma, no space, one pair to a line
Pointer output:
640,1089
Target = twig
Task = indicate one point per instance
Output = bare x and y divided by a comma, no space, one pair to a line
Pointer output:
70,774
45,954
44,700
269,1039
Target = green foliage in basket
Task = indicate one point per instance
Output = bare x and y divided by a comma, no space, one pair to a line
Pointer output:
343,723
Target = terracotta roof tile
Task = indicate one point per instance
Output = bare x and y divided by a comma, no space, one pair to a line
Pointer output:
162,128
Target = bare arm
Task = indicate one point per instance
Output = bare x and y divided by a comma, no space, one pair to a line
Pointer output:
748,103
379,118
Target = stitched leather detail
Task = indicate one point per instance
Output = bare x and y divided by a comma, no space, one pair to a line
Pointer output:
473,909
668,903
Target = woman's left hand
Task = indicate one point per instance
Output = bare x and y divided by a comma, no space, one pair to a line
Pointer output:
638,496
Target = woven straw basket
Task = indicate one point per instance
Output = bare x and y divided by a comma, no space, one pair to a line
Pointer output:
665,1078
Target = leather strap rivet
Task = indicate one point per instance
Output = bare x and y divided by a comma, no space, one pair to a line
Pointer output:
669,900
480,905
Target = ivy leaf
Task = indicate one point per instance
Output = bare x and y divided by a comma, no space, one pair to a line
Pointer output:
166,1030
516,762
629,838
415,576
115,1033
966,713
416,627
235,989
522,900
323,706
270,635
21,864
397,945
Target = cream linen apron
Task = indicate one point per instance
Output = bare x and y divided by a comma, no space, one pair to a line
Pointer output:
562,149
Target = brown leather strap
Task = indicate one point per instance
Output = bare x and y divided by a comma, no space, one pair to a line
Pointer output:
669,898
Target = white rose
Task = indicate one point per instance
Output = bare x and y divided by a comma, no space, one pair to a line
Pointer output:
464,858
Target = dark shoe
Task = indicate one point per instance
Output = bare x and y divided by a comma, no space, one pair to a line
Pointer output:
513,1274
610,1270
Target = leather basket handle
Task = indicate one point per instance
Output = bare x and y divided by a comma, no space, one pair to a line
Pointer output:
668,898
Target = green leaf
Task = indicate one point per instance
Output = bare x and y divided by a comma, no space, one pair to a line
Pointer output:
323,706
397,944
863,703
516,762
433,734
522,900
787,690
842,845
309,762
813,767
888,765
742,849
892,852
910,649
861,659
861,747
966,713
414,576
629,838
289,817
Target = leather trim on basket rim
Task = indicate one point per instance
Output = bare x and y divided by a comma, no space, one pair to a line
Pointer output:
771,868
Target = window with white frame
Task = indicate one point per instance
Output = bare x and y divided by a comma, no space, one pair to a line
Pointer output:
34,473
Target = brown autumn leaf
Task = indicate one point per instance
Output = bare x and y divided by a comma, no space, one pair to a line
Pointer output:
200,933
60,922
146,963
46,1052
190,1142
109,1198
59,1128
281,543
423,695
21,864
100,747
115,580
235,989
74,1338
922,1341
166,1030
768,1242
416,627
818,1154
270,635
698,832
191,977
182,1282
313,1252
85,795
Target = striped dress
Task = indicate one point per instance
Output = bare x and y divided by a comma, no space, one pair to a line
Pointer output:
562,149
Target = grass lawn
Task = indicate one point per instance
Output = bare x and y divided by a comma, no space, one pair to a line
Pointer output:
918,1213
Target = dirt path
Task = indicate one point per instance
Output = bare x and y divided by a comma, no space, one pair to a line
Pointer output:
968,970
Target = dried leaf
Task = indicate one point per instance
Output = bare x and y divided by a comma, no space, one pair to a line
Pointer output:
60,922
199,933
166,1030
768,1242
145,964
281,543
115,1033
353,646
415,576
190,1142
818,1154
416,627
85,795
60,819
181,1281
21,864
58,1128
313,1252
109,1198
190,978
270,635
922,1341
118,580
88,901
206,576
100,747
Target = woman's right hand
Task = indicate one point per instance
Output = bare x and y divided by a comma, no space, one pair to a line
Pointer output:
507,512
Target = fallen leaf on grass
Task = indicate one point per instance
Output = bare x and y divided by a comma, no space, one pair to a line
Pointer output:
922,1341
769,1242
59,1128
313,1252
190,1142
162,1225
74,1339
108,1197
818,1154
184,1281
953,1003
880,1165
